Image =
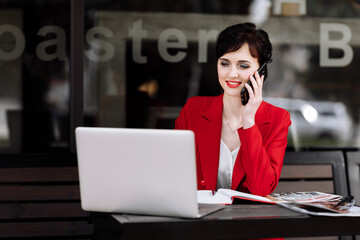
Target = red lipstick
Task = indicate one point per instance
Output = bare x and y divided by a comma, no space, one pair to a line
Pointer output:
233,84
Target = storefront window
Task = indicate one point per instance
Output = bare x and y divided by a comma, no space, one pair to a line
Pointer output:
34,76
143,61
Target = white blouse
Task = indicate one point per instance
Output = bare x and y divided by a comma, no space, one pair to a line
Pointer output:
226,165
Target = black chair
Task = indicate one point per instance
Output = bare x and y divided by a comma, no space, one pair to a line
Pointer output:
314,171
322,171
353,168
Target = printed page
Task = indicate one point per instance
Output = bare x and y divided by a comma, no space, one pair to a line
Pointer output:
354,211
303,197
207,196
328,206
225,196
232,193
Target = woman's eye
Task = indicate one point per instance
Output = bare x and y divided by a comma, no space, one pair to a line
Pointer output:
224,64
243,66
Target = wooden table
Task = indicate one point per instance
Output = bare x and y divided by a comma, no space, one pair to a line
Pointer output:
233,222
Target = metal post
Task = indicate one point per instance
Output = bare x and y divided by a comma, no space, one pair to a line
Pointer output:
76,68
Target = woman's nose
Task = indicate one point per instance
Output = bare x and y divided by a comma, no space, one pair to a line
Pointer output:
233,73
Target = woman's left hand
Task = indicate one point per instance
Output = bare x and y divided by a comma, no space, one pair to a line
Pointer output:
254,102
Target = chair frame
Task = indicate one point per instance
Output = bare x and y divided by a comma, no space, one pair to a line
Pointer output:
353,168
334,158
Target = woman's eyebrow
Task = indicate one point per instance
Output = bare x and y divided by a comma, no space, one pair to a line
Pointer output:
244,61
239,61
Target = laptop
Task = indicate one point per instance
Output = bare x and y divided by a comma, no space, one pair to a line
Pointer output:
139,171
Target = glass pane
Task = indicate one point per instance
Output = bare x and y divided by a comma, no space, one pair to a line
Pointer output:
34,76
145,59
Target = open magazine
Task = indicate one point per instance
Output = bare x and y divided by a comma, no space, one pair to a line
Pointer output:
315,203
228,196
322,209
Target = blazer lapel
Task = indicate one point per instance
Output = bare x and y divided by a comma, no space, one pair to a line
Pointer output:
209,141
262,121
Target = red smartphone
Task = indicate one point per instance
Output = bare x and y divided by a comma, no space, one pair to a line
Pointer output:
244,92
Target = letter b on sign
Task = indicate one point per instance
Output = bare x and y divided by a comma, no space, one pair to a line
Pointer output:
343,44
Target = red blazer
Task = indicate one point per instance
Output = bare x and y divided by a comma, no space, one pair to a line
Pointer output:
258,164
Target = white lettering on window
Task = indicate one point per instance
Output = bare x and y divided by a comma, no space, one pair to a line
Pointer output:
58,42
137,33
19,42
343,44
204,37
172,38
100,50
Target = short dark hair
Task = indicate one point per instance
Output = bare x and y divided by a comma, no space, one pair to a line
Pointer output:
233,38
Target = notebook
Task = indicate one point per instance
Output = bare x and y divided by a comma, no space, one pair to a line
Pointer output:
139,171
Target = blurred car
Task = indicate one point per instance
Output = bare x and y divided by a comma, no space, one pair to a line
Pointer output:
317,120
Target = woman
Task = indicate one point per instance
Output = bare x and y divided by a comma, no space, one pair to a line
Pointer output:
238,146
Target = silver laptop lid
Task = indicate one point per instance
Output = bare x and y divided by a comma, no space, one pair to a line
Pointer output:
139,171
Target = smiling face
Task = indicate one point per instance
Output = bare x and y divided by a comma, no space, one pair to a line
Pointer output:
234,70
